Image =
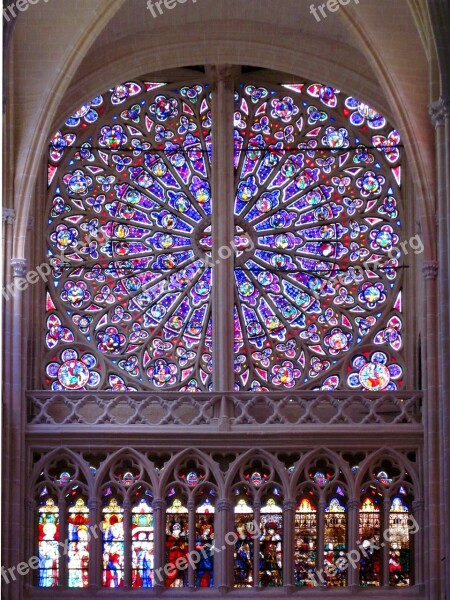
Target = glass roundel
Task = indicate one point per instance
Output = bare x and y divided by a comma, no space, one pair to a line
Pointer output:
318,296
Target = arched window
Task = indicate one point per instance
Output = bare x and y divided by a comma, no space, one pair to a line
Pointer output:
399,544
370,540
335,536
78,538
142,544
177,540
316,241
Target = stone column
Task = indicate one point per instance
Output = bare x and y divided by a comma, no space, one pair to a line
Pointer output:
288,543
440,116
432,463
417,543
223,559
352,537
320,540
95,546
223,230
14,409
256,543
191,541
159,514
31,545
127,555
385,543
63,576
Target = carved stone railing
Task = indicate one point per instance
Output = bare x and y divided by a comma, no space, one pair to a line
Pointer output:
212,410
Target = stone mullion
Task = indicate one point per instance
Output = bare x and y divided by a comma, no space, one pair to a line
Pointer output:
222,562
256,542
95,546
63,574
191,541
320,538
288,542
223,231
384,542
159,514
127,553
352,539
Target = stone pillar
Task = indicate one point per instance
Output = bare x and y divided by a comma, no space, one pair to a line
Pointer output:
31,545
352,537
385,543
417,543
63,577
95,546
191,541
288,543
432,463
159,514
440,116
256,542
223,230
14,410
320,540
127,556
223,560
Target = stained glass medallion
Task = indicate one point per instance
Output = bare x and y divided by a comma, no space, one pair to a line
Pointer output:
317,228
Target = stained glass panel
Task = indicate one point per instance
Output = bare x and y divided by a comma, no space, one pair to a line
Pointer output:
305,551
78,554
369,536
142,545
400,544
271,545
48,549
177,540
243,549
113,544
130,197
204,541
335,543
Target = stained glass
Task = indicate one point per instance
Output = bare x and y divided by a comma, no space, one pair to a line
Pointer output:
271,544
113,544
400,544
369,537
305,550
316,241
335,543
78,536
177,540
314,194
142,545
48,549
243,549
204,541
130,200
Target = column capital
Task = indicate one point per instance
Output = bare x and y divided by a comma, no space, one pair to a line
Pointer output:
126,504
222,73
224,505
159,505
430,269
19,266
353,505
190,504
8,215
439,111
30,504
93,504
289,505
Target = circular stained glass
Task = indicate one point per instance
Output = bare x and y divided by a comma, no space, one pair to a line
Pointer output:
374,377
317,180
73,374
